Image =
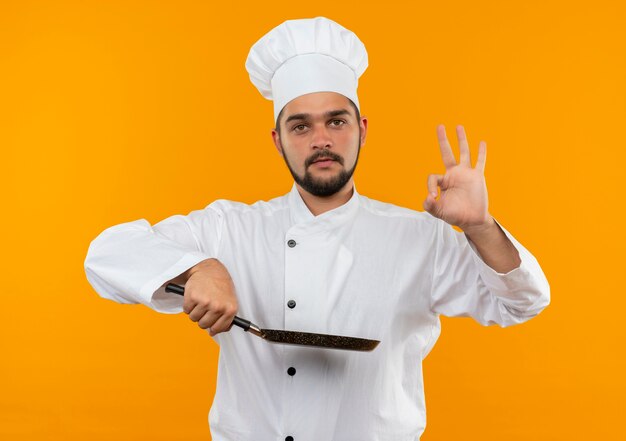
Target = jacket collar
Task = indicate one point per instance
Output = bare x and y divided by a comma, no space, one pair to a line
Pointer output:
304,220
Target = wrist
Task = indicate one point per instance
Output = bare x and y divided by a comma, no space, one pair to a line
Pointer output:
476,231
200,265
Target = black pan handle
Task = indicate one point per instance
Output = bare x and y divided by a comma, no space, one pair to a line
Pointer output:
244,324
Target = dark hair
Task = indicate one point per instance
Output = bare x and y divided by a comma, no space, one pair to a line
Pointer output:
280,114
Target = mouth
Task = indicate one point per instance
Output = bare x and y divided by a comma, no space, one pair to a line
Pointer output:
323,162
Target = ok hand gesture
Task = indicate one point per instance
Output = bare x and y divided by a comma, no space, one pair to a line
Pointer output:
463,201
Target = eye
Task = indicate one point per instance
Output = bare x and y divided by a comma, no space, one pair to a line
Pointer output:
337,122
299,128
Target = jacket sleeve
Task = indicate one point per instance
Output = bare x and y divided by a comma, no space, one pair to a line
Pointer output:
130,262
465,286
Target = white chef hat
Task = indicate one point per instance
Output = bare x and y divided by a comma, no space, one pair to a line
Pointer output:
304,56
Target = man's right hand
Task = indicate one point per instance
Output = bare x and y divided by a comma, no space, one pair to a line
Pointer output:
210,296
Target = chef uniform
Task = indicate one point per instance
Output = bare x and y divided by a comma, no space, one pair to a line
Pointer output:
366,269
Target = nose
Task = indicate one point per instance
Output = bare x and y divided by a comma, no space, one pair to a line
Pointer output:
320,138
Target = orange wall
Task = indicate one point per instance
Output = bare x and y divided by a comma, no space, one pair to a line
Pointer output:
113,111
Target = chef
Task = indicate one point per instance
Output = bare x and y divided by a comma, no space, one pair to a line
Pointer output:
325,259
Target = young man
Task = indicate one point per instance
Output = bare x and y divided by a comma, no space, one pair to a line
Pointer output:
325,259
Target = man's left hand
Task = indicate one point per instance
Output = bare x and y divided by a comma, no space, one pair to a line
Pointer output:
463,200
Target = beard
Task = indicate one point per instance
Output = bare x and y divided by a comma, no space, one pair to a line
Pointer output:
320,186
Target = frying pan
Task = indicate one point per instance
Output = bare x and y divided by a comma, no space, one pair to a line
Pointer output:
294,337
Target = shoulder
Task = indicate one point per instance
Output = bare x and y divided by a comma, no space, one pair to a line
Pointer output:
388,211
397,226
226,207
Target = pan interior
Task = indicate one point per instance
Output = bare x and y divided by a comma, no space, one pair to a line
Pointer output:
319,340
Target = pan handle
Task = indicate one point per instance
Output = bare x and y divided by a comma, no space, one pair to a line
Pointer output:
244,324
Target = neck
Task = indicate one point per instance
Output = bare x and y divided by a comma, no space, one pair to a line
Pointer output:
321,204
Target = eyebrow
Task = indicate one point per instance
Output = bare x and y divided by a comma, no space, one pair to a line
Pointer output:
329,114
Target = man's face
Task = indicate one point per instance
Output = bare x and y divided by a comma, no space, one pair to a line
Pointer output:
320,139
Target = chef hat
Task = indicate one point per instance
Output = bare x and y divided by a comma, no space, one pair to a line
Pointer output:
304,56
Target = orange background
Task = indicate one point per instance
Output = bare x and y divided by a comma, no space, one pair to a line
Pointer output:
113,111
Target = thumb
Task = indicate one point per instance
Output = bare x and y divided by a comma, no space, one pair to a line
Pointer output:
431,205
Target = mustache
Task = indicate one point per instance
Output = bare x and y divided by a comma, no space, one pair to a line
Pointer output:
323,155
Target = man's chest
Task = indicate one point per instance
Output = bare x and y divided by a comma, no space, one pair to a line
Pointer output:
347,281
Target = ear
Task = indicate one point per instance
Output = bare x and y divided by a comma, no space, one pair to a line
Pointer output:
363,125
277,144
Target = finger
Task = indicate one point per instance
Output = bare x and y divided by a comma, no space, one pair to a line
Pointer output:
433,182
208,320
222,324
197,312
188,304
432,206
464,157
482,157
446,151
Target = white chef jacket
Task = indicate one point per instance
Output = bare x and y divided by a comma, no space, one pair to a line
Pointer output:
365,269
